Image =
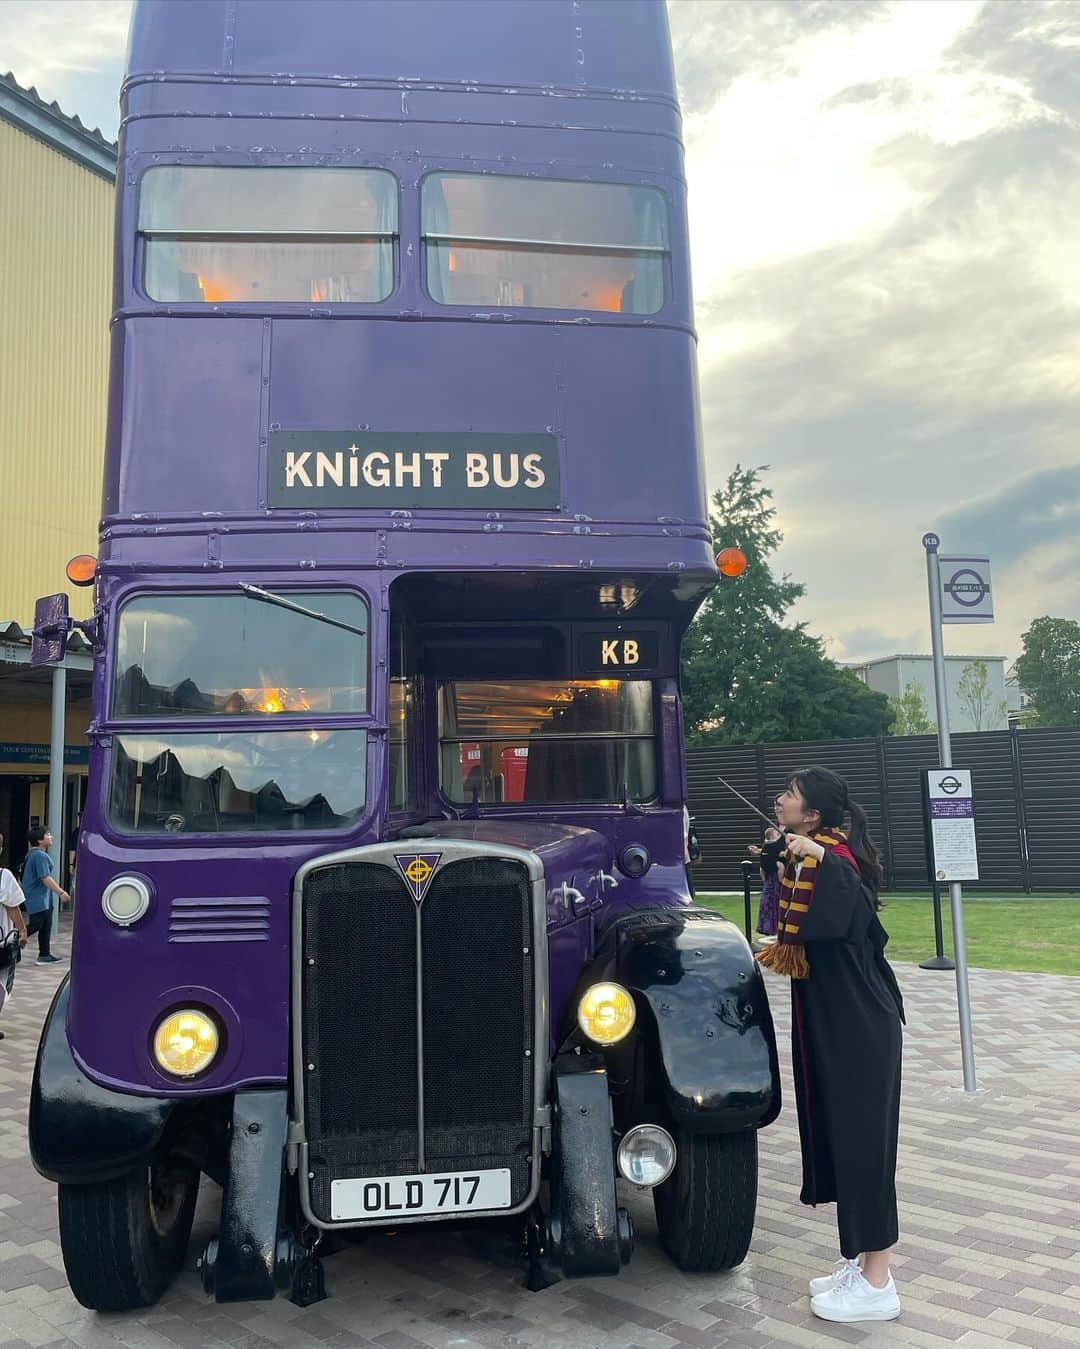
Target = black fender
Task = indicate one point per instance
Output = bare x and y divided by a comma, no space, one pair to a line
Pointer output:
698,988
588,1234
252,1255
81,1133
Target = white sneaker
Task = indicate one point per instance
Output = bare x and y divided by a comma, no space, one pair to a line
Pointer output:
828,1282
857,1300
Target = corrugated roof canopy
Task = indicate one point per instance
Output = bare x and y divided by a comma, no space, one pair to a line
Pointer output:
26,109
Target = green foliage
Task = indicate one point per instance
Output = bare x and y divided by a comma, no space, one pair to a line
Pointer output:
748,677
909,713
977,698
1049,671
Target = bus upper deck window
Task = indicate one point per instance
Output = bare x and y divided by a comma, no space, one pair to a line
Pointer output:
215,235
540,243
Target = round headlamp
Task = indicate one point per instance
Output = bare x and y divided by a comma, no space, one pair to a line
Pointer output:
606,1013
646,1155
125,900
186,1042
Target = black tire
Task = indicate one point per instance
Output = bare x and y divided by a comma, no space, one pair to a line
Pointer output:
705,1209
124,1241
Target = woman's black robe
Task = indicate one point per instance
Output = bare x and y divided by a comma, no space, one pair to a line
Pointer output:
846,1048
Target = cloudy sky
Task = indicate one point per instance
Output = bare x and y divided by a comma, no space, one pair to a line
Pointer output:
884,197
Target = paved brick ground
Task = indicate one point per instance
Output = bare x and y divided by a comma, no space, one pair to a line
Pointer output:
990,1223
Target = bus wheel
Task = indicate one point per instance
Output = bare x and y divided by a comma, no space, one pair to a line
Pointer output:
705,1209
124,1240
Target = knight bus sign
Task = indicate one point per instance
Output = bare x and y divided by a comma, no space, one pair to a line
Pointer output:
332,469
384,915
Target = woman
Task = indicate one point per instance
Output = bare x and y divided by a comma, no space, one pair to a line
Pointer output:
846,1037
11,921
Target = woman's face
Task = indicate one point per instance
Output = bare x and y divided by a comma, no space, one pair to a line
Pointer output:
793,813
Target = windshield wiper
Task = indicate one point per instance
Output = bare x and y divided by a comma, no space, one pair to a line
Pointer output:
257,593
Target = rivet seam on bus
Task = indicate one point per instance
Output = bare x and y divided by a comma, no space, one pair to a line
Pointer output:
524,950
528,1053
311,1067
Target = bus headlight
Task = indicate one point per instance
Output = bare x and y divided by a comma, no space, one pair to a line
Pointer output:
606,1013
646,1155
186,1042
125,900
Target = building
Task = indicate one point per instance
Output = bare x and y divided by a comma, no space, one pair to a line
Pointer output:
56,231
974,704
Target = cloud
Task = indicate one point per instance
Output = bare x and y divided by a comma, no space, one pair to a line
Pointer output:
1039,509
888,298
71,51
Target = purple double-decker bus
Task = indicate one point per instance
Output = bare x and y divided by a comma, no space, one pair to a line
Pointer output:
383,912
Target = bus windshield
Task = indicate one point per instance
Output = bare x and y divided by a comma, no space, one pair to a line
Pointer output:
237,782
228,655
547,742
217,235
540,243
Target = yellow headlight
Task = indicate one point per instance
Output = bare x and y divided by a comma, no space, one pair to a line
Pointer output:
606,1013
185,1043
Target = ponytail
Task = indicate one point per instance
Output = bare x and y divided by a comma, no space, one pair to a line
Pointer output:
864,850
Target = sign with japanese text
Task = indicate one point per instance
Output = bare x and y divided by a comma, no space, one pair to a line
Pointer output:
951,812
966,595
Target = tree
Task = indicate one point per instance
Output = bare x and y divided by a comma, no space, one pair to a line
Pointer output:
909,713
1049,671
748,677
977,698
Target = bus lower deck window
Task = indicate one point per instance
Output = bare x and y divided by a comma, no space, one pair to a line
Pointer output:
544,742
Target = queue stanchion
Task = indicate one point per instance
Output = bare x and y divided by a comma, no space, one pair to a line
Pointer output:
939,961
748,868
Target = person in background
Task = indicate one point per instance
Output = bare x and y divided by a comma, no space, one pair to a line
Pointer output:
39,886
769,857
11,920
73,850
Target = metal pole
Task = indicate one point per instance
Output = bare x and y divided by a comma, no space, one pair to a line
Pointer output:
56,778
956,903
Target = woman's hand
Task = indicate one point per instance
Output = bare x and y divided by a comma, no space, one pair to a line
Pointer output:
798,845
771,835
753,850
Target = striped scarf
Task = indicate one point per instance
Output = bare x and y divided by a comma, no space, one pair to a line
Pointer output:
788,954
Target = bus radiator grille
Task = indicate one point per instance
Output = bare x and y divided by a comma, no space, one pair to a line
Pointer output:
474,977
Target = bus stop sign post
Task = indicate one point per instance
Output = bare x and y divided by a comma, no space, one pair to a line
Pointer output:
931,543
47,647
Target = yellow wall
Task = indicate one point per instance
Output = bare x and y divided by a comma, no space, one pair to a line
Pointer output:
56,226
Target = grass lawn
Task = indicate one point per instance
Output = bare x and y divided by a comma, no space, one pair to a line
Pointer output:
1036,934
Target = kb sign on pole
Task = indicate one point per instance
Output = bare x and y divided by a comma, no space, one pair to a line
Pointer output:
966,596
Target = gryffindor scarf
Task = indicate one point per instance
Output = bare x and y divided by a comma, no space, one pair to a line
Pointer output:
787,955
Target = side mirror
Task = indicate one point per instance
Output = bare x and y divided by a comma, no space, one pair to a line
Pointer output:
52,623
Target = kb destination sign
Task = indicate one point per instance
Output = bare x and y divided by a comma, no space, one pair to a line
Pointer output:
412,468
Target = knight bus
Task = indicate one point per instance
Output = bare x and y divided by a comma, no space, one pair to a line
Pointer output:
384,914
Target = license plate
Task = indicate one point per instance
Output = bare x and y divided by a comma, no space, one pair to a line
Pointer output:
413,1196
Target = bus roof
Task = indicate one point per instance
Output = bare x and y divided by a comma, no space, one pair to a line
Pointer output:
564,46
